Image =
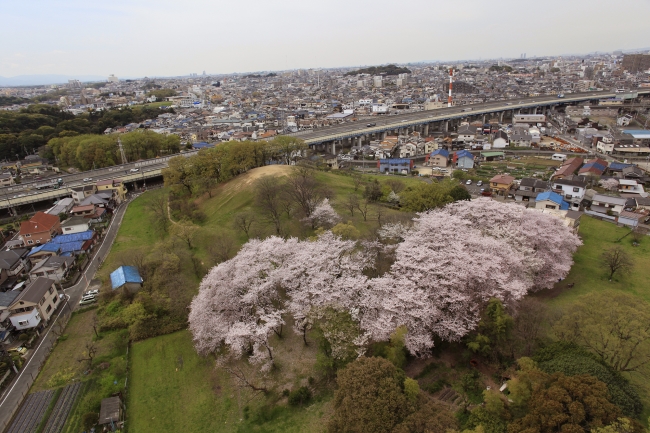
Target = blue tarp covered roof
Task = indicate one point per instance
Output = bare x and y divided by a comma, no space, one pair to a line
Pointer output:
618,165
464,154
123,275
71,247
554,197
73,237
49,247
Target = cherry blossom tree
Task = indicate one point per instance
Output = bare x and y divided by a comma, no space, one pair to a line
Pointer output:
610,184
323,215
443,270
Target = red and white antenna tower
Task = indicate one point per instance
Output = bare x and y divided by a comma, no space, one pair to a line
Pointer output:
451,84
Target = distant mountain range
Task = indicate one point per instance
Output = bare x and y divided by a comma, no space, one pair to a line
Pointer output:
35,80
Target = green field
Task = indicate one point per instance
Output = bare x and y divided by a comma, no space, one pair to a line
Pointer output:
172,389
589,276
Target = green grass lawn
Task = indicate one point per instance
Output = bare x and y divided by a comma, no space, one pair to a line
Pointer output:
172,389
590,275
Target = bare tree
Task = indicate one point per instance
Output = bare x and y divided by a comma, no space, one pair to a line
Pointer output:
222,247
529,321
185,232
268,197
357,180
156,204
617,260
381,212
244,221
134,257
304,189
396,185
243,381
638,233
363,208
352,203
88,354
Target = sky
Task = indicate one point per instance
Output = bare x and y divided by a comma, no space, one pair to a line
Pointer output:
137,38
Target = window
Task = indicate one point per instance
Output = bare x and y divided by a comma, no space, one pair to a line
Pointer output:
42,300
568,196
28,235
51,290
38,241
23,322
30,242
558,186
576,189
55,300
550,206
48,309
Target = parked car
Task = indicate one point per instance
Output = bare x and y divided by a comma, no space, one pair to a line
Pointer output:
479,183
20,350
87,179
92,292
86,301
370,125
469,182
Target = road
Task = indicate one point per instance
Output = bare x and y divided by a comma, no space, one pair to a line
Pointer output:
13,396
386,123
27,192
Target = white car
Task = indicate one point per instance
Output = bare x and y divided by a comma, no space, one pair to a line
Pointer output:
87,301
469,182
135,170
87,179
479,183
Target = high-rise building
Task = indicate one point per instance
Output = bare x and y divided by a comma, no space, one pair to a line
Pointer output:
113,79
636,62
378,81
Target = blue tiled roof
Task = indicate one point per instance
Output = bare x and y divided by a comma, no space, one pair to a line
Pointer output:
618,165
71,247
442,152
595,165
464,154
73,237
123,275
48,247
554,197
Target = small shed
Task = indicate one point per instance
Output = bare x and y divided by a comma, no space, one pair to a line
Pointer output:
111,411
127,277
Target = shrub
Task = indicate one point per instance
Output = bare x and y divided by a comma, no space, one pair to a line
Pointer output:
299,396
89,420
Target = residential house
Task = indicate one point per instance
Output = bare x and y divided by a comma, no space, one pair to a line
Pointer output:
466,133
631,219
35,304
535,136
633,172
127,277
81,192
463,159
75,224
520,137
607,205
438,158
501,140
75,243
43,251
104,200
568,168
615,169
113,184
6,299
407,150
111,413
595,167
605,145
530,188
40,228
395,165
6,179
331,161
501,184
13,264
63,206
642,202
55,268
550,200
83,211
629,186
572,189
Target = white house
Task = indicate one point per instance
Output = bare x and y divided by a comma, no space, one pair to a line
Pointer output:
605,203
571,190
535,136
407,150
466,133
606,145
35,304
629,186
75,224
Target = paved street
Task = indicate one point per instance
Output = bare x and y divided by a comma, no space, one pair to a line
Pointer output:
15,392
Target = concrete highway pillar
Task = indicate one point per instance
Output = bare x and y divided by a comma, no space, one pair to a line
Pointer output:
334,147
383,135
446,126
426,130
501,116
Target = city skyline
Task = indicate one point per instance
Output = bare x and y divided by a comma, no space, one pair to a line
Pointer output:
168,39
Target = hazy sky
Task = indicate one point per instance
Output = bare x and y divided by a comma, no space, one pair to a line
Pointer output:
162,37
